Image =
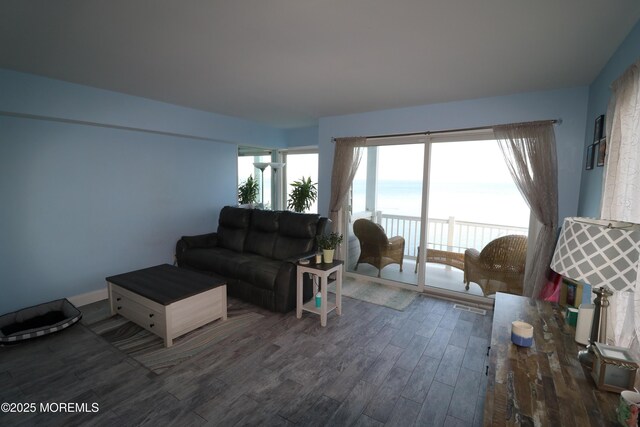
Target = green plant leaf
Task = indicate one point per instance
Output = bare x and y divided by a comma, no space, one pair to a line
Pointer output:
329,241
248,191
303,194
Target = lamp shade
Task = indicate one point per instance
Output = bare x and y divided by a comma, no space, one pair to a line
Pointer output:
598,252
276,165
261,165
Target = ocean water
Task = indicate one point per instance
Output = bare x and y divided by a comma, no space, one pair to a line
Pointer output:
490,203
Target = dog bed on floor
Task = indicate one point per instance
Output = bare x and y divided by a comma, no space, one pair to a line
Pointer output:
38,321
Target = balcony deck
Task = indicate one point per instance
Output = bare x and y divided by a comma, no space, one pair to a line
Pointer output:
438,275
443,235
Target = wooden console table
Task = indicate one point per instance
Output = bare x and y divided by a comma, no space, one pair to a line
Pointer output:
545,384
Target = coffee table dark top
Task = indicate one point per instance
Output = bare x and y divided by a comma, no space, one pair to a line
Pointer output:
166,284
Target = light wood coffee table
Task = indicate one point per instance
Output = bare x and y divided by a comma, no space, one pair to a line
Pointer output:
168,301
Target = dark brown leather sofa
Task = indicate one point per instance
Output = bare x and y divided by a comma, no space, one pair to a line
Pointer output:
256,251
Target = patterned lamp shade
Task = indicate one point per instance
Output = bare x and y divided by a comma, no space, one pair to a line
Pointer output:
598,252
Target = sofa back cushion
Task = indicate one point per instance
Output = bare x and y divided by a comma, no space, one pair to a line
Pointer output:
233,227
296,234
262,234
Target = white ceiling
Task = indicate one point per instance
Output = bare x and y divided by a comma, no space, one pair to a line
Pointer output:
288,62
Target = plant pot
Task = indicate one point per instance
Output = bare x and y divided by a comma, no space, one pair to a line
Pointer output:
328,255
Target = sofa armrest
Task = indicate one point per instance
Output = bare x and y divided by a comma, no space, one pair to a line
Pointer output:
295,259
209,240
286,286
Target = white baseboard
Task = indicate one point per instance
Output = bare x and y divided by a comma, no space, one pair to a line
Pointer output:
89,297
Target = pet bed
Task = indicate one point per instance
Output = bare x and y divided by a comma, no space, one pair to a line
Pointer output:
38,321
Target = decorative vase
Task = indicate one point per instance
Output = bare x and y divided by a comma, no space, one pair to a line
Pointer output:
328,255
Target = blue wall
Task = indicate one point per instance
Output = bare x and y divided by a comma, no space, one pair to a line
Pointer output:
599,94
82,202
29,94
301,137
568,105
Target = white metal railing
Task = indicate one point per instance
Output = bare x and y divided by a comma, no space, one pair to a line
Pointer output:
443,234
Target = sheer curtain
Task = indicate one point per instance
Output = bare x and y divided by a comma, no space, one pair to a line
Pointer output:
621,194
529,150
346,159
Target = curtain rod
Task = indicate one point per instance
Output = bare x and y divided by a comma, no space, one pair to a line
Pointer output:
436,132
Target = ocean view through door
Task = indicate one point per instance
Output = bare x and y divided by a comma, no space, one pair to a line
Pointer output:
472,201
386,191
469,200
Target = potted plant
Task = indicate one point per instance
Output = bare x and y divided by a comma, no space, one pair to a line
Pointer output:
248,191
328,244
303,194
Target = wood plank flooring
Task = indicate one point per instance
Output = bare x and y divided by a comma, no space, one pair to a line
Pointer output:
372,366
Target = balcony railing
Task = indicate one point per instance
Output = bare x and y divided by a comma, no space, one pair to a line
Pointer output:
442,234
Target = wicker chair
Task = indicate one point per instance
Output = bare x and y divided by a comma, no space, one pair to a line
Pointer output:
502,260
375,247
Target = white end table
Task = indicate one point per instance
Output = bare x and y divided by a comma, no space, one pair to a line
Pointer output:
322,271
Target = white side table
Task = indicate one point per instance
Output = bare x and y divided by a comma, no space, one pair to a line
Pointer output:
322,271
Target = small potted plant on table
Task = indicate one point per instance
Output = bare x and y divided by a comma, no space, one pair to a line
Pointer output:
328,244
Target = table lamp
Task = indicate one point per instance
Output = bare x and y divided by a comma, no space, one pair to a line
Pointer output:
603,254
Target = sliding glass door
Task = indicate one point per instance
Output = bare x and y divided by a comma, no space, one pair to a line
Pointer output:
472,201
445,194
385,213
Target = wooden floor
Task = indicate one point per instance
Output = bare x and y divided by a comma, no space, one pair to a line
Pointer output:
372,366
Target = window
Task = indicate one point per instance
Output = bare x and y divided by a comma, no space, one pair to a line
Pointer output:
298,164
285,167
247,156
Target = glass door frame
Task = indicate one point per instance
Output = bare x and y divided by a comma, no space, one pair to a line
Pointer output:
378,142
428,139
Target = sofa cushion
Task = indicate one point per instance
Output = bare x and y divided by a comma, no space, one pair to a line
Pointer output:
265,221
298,225
262,234
220,260
258,270
233,226
296,234
287,247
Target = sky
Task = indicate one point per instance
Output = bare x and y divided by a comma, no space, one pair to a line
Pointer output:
469,181
452,162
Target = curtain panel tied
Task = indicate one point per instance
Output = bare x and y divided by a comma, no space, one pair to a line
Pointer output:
346,159
529,150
